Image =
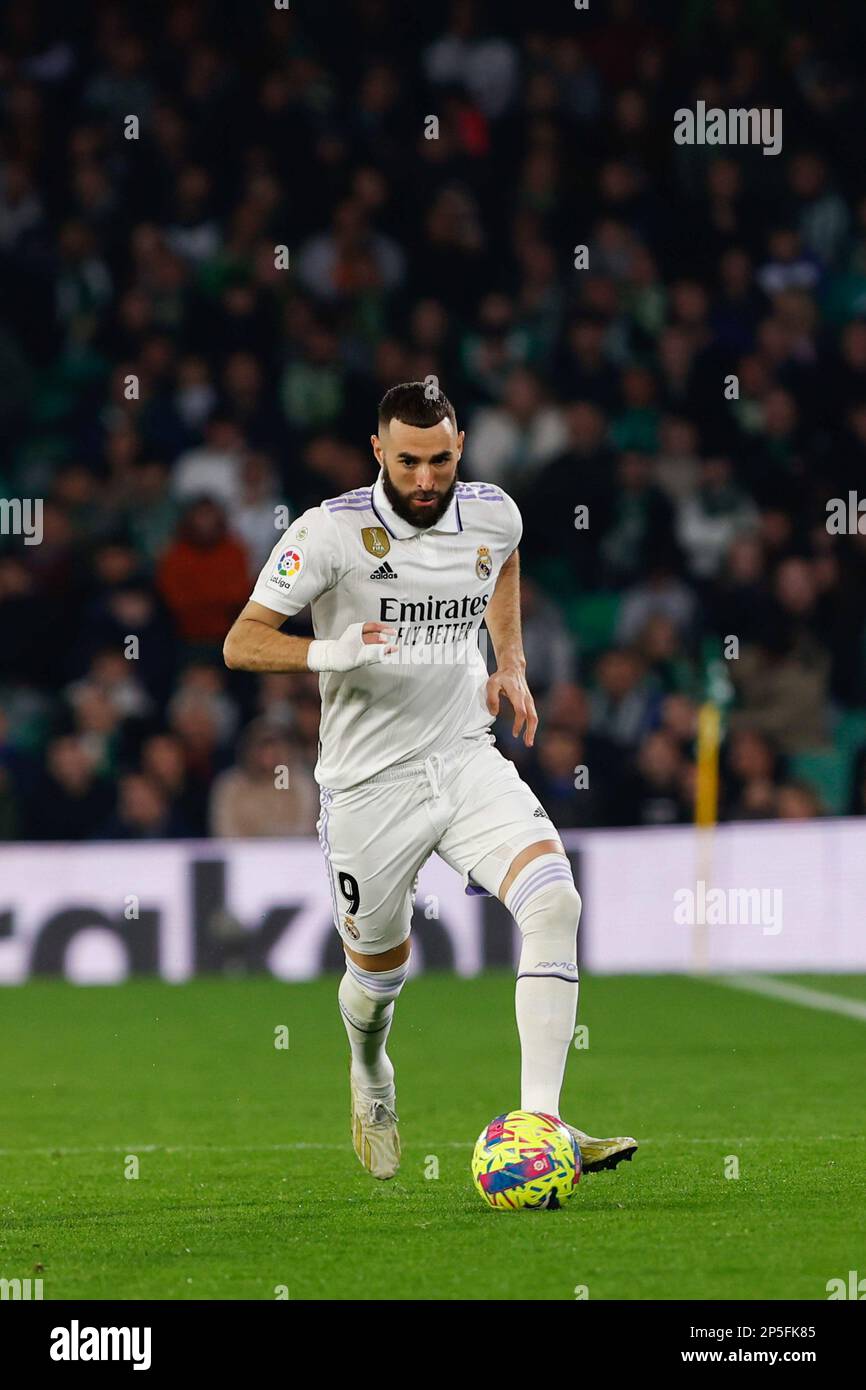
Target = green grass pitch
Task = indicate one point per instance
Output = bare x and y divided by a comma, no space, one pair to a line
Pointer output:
248,1183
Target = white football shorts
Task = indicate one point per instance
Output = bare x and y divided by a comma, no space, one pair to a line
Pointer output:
464,804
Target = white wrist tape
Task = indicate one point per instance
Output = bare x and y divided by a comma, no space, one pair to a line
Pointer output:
347,652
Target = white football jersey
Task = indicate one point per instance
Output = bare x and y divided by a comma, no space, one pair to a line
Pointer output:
355,560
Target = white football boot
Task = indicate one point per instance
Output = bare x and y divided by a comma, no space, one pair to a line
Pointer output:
375,1138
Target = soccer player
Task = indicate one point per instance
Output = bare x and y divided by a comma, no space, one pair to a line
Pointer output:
400,576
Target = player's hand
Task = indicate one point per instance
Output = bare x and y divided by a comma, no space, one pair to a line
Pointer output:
360,645
511,683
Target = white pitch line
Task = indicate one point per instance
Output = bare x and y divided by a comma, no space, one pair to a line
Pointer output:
65,1151
791,994
60,1151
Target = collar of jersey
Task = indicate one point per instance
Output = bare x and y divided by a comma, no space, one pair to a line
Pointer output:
403,530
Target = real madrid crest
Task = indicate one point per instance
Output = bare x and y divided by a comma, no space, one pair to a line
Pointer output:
483,563
375,540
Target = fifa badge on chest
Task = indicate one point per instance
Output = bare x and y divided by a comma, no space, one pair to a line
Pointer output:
375,540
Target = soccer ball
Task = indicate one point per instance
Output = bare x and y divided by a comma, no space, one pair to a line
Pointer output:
526,1159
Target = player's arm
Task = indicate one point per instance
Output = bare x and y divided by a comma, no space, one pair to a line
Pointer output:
254,643
502,618
303,564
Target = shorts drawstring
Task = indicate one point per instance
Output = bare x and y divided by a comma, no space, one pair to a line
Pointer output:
433,769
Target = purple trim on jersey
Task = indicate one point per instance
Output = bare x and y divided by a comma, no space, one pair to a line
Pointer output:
359,497
470,494
349,507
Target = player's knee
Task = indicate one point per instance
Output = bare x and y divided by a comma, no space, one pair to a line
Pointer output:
548,922
553,912
546,906
383,986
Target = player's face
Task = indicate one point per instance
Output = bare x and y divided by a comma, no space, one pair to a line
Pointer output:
419,468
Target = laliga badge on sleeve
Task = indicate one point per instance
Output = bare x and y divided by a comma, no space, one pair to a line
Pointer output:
287,568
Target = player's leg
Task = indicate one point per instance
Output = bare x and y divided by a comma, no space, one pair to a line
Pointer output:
538,890
495,840
545,904
374,840
368,992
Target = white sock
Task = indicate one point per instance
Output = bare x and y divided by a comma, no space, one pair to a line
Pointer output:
546,1012
367,1019
546,907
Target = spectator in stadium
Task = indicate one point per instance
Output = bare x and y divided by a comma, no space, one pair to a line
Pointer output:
203,576
269,792
662,594
143,812
511,443
751,769
154,261
710,519
636,521
622,700
163,763
71,800
782,683
654,793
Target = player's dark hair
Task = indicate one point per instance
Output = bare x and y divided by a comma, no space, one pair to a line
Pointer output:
416,403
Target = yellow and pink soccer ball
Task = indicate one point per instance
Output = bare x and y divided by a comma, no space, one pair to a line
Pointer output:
525,1159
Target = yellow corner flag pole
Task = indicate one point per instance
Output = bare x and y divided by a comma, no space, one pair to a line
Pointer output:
706,813
707,790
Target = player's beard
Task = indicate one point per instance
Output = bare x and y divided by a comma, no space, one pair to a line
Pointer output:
405,510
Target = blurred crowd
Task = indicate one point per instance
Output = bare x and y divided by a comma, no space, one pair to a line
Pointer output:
167,382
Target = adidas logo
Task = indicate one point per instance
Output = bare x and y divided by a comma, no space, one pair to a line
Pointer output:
384,572
540,811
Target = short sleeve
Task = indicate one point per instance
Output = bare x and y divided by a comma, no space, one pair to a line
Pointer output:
304,563
515,522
